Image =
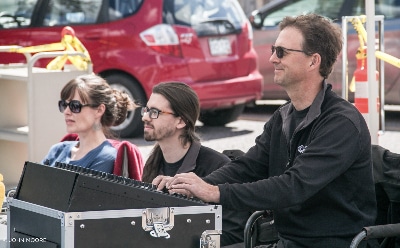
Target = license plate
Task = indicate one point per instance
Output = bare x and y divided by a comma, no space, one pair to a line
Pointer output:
219,46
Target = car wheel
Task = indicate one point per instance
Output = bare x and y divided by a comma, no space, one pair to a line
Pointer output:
221,117
133,125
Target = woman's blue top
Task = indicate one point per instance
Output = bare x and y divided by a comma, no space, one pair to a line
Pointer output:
101,158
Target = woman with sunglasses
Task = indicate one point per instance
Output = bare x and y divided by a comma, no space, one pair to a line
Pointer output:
90,107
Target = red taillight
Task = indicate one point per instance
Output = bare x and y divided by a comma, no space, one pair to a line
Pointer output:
249,30
174,50
162,38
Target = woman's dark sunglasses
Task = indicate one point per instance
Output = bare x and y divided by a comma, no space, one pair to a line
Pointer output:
75,106
280,51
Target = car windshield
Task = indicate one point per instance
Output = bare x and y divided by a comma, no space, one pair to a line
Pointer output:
193,12
330,9
389,8
323,7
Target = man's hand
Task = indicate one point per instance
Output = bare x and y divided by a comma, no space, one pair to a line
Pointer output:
191,185
160,181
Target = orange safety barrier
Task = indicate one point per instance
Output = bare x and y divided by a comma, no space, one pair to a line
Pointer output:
361,97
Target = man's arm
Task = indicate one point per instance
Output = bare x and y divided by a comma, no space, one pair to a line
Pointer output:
311,172
252,166
191,185
326,158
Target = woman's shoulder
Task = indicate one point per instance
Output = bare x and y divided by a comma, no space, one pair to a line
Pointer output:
108,148
108,145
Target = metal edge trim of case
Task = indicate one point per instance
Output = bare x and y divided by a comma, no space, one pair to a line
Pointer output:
36,208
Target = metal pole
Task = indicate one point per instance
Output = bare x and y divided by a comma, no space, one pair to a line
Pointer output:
373,116
376,120
381,30
345,77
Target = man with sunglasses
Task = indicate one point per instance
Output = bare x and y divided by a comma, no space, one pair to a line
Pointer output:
90,107
312,163
169,119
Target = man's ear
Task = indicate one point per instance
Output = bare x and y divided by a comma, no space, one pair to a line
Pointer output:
181,123
315,60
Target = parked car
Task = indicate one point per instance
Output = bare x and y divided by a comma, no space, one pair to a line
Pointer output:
265,22
136,44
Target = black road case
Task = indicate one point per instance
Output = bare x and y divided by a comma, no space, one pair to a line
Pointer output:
71,207
31,225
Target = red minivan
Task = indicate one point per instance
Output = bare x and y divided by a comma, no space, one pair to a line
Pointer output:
136,44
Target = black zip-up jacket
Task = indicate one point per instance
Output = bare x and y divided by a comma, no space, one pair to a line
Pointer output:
318,182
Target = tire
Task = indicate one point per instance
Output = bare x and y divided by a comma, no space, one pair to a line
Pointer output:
220,117
133,125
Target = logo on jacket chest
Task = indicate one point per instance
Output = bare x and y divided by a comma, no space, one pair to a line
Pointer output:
301,148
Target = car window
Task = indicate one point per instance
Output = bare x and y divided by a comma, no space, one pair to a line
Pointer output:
122,8
389,8
193,12
65,12
16,14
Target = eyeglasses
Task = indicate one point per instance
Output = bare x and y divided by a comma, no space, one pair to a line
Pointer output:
75,106
280,51
153,113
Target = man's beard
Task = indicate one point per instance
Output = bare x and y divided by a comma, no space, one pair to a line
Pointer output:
158,134
148,137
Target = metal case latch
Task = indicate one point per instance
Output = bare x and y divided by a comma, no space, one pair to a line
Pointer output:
158,221
210,239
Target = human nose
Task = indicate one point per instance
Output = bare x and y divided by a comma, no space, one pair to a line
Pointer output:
273,58
67,110
146,116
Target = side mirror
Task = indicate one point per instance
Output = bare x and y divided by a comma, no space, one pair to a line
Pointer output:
256,19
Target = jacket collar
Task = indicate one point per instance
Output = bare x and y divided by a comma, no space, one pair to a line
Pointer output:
315,108
189,162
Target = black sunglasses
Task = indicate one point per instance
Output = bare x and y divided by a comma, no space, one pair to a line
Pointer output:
75,106
280,51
